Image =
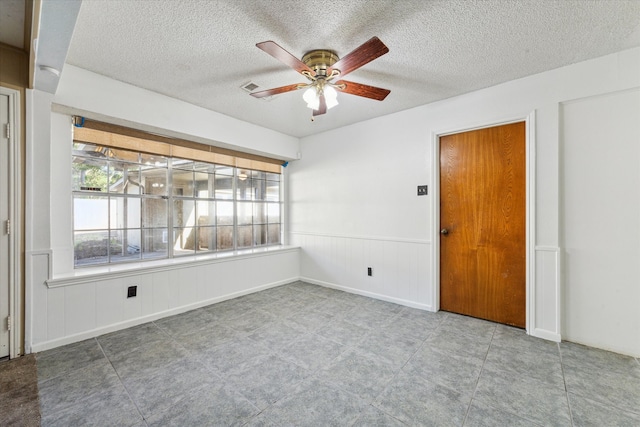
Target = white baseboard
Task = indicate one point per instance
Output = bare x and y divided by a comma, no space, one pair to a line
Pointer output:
546,335
47,345
399,301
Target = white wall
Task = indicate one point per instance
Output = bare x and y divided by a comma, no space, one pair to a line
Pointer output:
600,152
353,199
64,305
93,95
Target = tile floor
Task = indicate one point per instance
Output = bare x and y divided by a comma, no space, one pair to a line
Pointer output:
304,355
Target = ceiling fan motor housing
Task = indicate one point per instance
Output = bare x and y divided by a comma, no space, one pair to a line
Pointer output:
320,60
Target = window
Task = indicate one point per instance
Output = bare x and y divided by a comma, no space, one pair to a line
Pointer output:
130,205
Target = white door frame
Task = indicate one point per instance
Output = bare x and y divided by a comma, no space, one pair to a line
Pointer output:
15,238
530,151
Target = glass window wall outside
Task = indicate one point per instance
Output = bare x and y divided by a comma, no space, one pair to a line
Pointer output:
130,206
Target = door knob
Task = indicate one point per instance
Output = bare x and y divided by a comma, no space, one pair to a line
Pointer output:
444,231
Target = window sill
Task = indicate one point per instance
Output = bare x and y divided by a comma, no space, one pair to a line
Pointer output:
85,274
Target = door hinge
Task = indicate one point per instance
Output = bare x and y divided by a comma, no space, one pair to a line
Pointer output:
8,323
8,131
9,226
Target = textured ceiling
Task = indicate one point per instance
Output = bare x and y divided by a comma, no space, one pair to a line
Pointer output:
12,22
203,51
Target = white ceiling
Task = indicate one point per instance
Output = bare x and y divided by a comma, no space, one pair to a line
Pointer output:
12,23
203,51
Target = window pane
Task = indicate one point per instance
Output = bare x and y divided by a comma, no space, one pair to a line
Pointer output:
90,213
154,181
127,178
155,212
258,175
185,164
260,235
153,160
90,247
273,191
184,240
184,214
133,182
273,176
125,245
77,172
224,170
245,213
273,212
206,239
120,154
85,150
204,167
259,189
244,191
223,187
115,177
224,213
204,185
206,210
124,212
89,174
155,243
274,234
259,213
245,236
224,237
182,183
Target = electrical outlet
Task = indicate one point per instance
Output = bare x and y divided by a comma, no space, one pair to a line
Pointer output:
369,271
422,190
132,291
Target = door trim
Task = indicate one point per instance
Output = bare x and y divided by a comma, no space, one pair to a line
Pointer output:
15,238
530,164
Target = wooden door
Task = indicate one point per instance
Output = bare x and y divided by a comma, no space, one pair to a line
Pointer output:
482,221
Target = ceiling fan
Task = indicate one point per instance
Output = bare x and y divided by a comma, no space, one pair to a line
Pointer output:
322,68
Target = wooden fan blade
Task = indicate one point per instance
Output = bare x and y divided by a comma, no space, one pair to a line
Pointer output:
275,50
277,90
322,109
362,55
359,89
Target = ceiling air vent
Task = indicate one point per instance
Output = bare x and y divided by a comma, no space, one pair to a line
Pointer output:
249,87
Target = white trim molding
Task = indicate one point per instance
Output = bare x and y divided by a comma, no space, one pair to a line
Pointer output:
116,271
546,320
374,295
38,266
16,345
360,237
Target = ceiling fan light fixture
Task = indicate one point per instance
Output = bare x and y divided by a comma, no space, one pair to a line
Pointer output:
330,96
312,98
